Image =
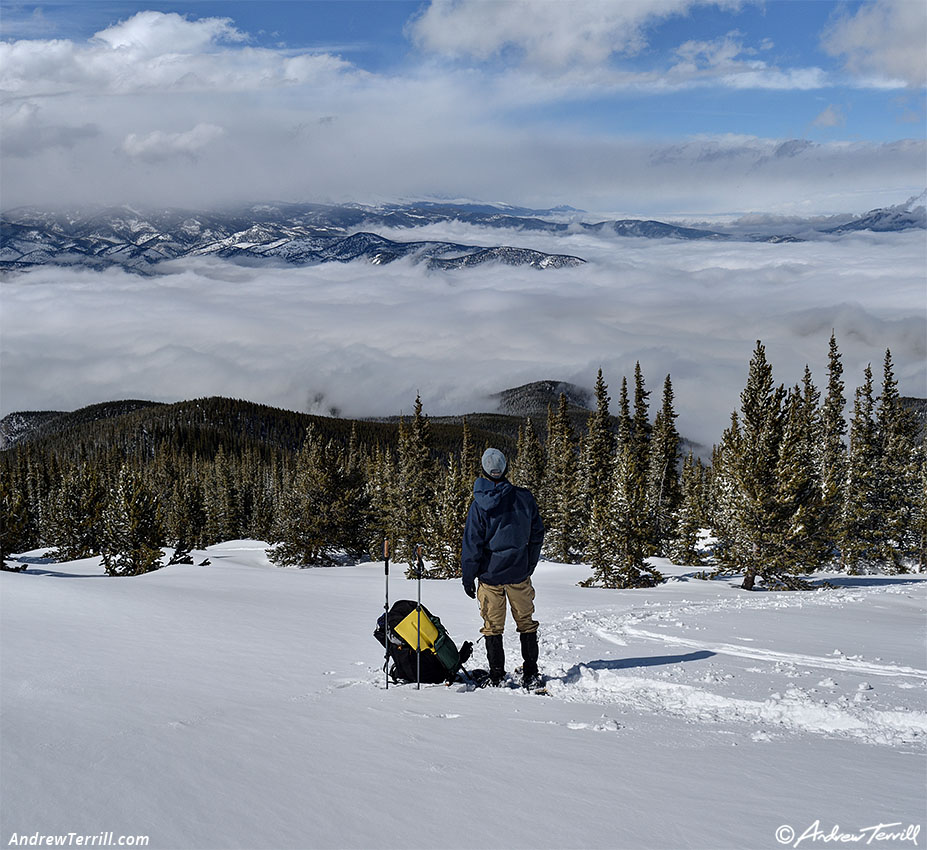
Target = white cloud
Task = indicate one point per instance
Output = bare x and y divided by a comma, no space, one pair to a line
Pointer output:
129,116
551,35
157,52
284,335
569,46
156,34
885,38
832,116
158,146
26,133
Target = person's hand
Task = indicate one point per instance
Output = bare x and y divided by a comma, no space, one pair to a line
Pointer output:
470,589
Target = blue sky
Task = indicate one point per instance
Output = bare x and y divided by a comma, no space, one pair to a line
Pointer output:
679,107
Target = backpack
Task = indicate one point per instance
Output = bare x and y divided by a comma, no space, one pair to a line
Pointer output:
398,632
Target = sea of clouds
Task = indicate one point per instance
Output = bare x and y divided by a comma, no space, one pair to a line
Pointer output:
364,339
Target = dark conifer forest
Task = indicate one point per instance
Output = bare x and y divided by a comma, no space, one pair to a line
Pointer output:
805,478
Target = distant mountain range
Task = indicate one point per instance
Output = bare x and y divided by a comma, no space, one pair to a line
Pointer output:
293,234
907,216
306,234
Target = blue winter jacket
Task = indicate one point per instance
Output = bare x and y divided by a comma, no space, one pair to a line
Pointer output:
503,536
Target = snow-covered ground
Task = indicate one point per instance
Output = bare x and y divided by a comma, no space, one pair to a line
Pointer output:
242,705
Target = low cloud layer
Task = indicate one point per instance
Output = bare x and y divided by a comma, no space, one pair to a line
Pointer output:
365,338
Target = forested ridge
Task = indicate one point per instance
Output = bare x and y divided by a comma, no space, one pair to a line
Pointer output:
803,479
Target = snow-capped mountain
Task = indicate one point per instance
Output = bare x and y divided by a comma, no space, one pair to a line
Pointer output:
317,233
292,233
909,215
304,234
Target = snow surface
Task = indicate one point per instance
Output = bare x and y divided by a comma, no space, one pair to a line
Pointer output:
239,705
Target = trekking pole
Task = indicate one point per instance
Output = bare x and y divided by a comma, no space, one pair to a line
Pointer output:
386,611
419,566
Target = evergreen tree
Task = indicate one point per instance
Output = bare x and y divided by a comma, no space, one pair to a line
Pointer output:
621,549
562,536
383,496
416,488
222,501
831,450
751,516
690,518
618,548
185,519
595,479
528,467
131,540
14,518
860,533
640,425
802,546
897,476
919,520
662,486
453,504
323,514
76,513
469,457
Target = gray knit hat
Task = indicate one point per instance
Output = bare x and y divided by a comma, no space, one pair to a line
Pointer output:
494,464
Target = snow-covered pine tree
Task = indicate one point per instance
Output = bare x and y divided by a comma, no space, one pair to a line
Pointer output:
802,546
185,517
560,500
625,515
897,474
14,518
131,530
595,470
919,524
690,518
222,500
620,547
528,466
323,512
831,451
382,493
264,497
76,513
751,516
640,426
415,488
453,504
859,526
662,487
600,532
469,457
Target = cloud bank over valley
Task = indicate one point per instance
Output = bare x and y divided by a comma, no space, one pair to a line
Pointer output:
365,339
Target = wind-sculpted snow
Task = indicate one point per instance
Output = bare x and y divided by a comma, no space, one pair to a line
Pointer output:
240,705
816,706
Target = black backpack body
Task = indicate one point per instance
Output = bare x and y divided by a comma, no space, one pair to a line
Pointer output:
399,633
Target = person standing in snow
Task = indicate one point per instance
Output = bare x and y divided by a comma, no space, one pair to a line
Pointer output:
501,547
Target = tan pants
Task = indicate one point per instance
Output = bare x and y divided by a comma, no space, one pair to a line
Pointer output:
492,606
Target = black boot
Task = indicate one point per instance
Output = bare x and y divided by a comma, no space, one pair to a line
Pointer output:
529,652
495,655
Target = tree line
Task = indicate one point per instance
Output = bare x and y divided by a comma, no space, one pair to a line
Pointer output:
794,486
